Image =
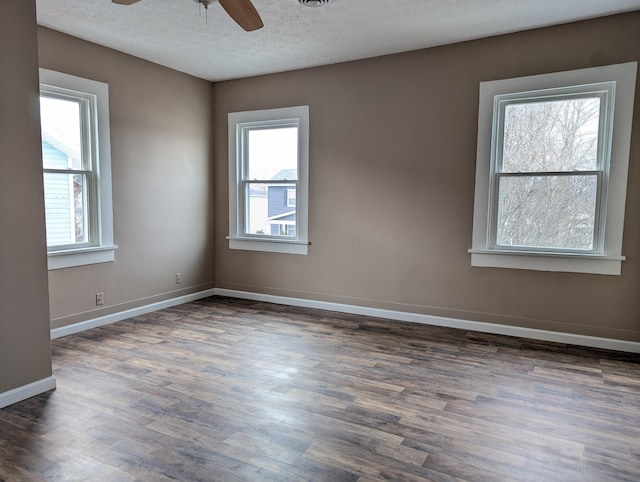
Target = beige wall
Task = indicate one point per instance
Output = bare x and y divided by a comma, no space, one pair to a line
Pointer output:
162,177
391,195
25,351
392,165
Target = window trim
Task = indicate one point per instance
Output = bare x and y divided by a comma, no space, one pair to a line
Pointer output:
609,259
238,122
102,249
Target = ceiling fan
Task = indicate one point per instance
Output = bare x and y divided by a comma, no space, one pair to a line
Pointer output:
241,11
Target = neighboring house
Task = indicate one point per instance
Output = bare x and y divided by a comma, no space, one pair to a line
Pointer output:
258,211
61,191
282,205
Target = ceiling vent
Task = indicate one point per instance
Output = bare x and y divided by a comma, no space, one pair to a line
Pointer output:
313,3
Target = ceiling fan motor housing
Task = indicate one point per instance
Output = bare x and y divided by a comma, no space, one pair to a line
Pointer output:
313,3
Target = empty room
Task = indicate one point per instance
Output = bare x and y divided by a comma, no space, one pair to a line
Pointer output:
323,240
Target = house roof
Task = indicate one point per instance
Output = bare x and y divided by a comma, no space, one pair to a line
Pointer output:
281,217
285,174
57,140
254,191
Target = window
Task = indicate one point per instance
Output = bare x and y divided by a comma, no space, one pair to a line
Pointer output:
551,171
291,197
268,180
551,150
74,115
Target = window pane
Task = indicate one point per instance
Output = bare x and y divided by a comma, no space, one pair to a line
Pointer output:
267,210
257,209
61,133
547,211
273,153
551,136
65,208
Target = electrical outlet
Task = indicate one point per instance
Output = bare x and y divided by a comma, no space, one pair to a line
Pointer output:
99,299
178,278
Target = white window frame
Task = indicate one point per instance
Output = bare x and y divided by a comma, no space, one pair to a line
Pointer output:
239,122
86,106
101,249
607,257
604,92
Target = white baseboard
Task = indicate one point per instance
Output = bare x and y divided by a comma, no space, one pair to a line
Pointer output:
123,315
27,391
493,328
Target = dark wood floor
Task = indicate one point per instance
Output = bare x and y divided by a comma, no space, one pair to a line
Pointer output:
227,390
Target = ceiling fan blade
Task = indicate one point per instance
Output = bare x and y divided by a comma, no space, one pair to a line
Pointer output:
125,2
244,13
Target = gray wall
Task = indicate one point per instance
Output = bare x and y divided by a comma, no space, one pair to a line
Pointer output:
25,352
162,182
392,166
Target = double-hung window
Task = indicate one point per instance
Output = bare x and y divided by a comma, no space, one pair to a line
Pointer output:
550,169
268,180
553,154
76,170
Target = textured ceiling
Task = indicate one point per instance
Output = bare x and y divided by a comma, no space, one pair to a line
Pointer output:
171,32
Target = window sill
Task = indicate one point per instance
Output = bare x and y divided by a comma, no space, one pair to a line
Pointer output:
80,257
270,245
566,262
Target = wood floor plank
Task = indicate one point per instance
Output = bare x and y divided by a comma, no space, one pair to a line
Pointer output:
230,390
